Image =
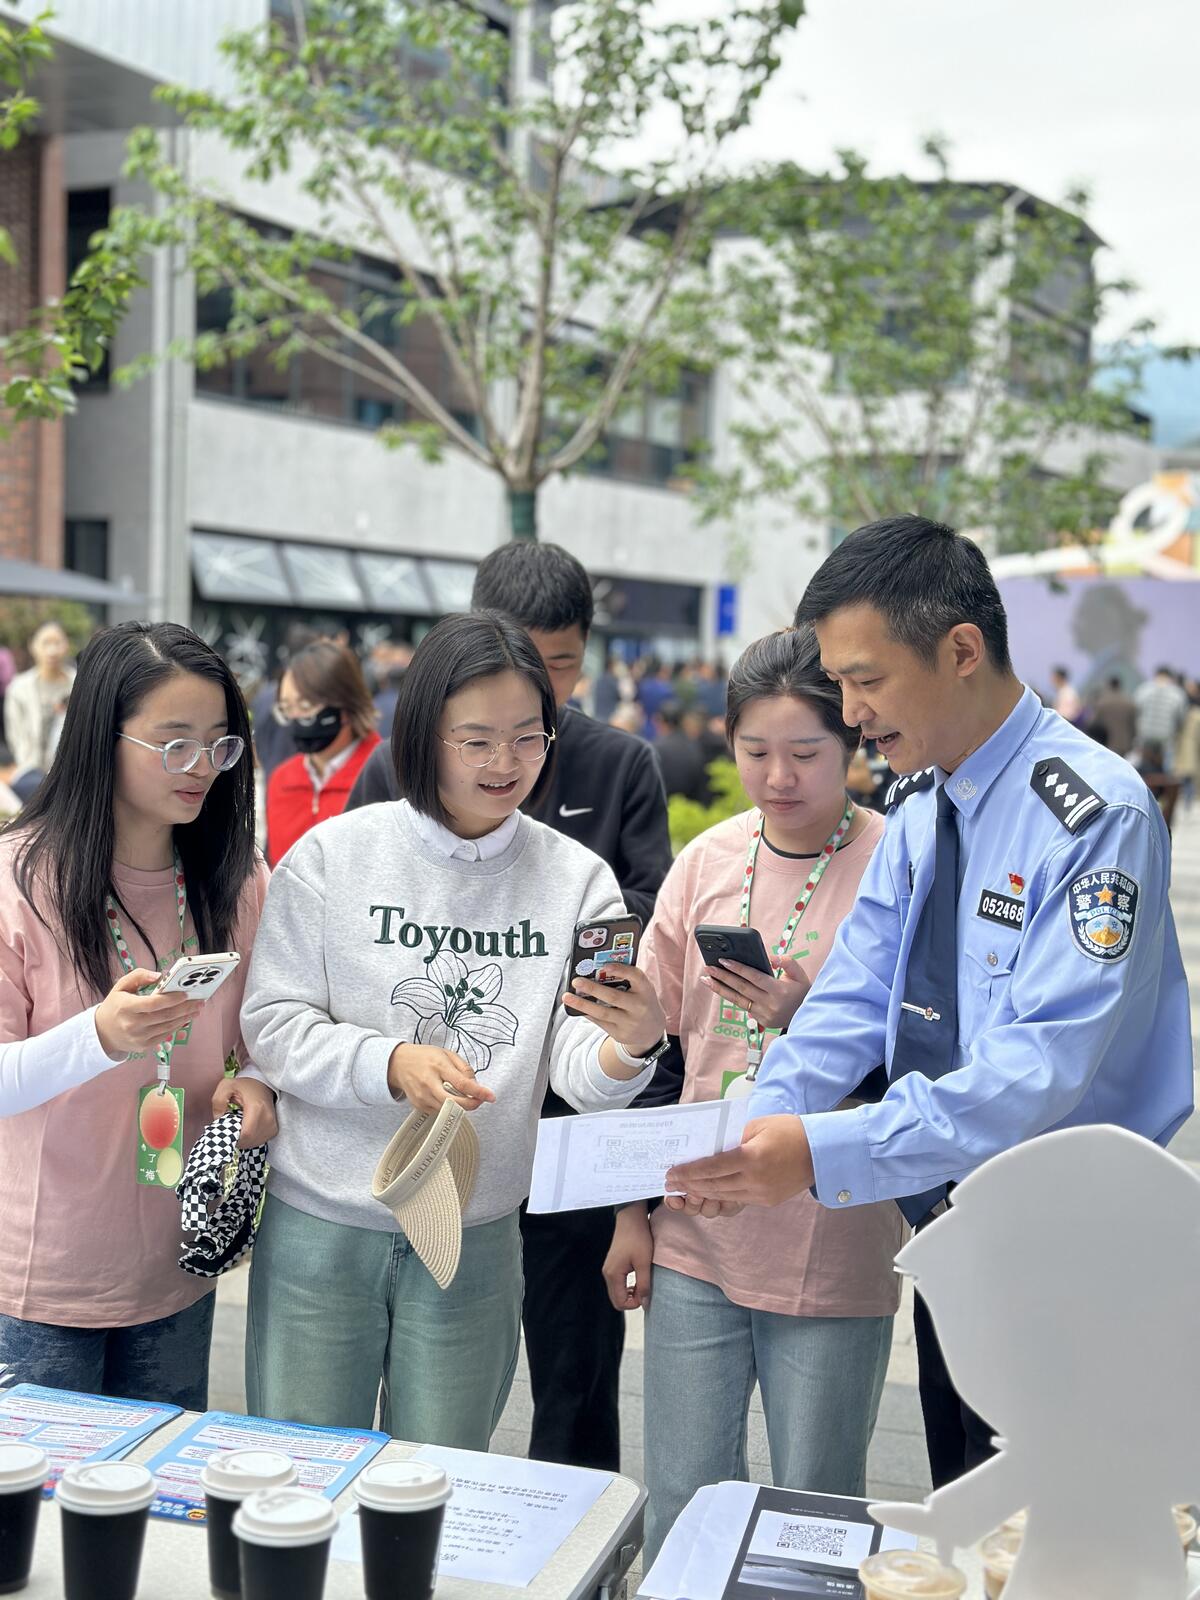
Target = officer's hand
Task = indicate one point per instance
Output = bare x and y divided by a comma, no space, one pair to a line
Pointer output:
630,1255
772,1163
772,1002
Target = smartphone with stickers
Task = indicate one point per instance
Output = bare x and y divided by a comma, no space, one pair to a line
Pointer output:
199,977
601,947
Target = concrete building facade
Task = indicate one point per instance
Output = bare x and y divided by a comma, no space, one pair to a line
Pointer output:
240,505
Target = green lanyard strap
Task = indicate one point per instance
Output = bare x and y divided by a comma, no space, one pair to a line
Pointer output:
784,943
162,1051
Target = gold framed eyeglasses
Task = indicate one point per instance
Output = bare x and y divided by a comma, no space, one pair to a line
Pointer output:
482,752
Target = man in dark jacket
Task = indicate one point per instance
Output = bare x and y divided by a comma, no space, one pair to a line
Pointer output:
607,792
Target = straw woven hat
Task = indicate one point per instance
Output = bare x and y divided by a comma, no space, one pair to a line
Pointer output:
425,1178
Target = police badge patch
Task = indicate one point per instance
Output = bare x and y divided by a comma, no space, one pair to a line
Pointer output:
1102,908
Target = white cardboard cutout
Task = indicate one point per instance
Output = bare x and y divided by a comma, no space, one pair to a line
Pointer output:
1064,1283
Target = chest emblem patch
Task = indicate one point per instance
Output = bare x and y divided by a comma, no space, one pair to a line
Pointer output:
1102,907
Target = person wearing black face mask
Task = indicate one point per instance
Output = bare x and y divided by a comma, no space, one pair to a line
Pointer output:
326,707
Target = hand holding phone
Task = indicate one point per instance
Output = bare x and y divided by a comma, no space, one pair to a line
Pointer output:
720,942
199,977
602,946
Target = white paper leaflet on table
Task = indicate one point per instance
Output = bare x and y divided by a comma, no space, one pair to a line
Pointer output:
505,1518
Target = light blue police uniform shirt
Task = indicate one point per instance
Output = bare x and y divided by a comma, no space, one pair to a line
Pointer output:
1072,998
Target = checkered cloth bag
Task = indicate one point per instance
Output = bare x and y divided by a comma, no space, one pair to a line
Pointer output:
220,1197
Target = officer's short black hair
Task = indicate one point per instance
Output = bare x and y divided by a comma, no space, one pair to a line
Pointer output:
538,585
922,576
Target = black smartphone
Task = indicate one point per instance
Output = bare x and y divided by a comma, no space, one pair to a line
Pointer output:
601,947
720,943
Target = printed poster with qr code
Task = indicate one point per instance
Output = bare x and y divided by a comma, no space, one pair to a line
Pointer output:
806,1544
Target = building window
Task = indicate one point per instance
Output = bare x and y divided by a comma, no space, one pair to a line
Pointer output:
85,547
311,385
655,437
87,213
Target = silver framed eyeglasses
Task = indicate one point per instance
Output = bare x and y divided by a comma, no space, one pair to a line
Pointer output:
181,755
482,752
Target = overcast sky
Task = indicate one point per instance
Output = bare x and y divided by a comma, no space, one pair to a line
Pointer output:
1044,93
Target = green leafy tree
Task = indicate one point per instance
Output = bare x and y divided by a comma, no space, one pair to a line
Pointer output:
689,818
922,346
65,340
557,275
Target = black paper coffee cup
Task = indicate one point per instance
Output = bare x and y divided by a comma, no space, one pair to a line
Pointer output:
23,1473
401,1506
103,1508
283,1540
227,1479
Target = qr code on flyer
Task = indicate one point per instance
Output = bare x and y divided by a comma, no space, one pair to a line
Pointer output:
811,1538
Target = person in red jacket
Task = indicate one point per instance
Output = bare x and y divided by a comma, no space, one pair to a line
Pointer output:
325,704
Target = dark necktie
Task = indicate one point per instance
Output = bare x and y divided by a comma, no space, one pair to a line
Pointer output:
928,1029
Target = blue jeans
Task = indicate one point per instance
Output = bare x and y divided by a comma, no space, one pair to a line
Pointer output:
165,1360
821,1379
336,1311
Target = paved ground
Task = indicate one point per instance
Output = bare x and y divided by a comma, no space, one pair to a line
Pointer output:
897,1468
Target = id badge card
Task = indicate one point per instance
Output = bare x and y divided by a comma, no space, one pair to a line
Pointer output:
736,1085
160,1135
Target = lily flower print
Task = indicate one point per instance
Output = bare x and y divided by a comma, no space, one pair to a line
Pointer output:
456,1009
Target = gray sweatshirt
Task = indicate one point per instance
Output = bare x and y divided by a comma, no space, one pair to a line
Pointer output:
370,936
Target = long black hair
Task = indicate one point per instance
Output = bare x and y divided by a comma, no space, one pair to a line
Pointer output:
454,653
68,825
787,663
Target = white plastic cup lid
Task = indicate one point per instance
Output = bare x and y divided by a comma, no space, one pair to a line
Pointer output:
22,1466
105,1488
401,1486
285,1517
233,1474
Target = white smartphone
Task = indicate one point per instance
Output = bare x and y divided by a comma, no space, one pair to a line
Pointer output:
199,977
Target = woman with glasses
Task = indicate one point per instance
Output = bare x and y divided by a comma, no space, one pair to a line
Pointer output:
325,705
137,848
410,953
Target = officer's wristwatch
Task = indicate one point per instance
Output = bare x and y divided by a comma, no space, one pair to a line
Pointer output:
648,1060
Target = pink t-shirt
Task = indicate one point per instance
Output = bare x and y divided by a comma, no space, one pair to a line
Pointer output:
799,1258
83,1244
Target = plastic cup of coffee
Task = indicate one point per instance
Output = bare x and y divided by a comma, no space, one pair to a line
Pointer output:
23,1473
899,1574
998,1552
1186,1523
401,1505
103,1508
226,1480
283,1540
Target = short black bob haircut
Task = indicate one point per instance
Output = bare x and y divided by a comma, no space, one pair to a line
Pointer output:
538,585
921,576
66,834
787,663
454,653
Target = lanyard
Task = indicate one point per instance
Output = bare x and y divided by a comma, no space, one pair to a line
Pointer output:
163,1051
754,1049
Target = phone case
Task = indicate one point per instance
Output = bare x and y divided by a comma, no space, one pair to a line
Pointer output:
718,943
202,977
602,947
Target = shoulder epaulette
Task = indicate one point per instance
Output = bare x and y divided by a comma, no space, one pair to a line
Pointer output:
911,783
1072,801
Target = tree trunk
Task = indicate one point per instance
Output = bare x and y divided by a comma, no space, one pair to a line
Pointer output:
522,514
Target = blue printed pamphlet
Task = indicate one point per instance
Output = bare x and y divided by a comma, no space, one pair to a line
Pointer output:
76,1427
327,1458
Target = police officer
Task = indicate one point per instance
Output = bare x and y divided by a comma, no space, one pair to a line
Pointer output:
1011,956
